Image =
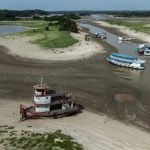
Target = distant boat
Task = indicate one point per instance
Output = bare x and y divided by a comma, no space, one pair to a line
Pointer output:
141,48
144,49
147,51
101,35
126,38
126,60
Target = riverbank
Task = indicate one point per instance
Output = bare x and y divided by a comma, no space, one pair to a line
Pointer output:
132,33
103,133
23,47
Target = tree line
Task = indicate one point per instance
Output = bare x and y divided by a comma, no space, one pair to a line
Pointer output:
14,14
65,22
131,13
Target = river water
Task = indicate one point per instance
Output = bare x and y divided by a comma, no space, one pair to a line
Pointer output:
7,29
112,39
99,17
140,78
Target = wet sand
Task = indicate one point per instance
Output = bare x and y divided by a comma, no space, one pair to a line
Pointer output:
92,82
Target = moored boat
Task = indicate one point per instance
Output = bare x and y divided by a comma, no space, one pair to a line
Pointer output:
142,48
126,60
147,51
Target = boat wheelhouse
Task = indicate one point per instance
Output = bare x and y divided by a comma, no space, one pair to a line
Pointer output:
126,60
47,103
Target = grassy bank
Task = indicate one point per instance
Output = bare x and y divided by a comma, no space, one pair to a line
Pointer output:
11,139
137,26
51,38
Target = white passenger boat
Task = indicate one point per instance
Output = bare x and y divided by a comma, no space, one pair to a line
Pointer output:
125,60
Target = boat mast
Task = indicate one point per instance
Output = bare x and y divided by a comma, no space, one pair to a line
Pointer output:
41,81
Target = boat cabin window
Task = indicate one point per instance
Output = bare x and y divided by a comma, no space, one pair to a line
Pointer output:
50,92
39,92
142,65
56,98
55,107
44,106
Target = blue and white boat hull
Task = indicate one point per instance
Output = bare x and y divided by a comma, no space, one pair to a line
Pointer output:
123,64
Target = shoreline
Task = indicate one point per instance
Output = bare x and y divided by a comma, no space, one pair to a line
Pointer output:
125,30
22,47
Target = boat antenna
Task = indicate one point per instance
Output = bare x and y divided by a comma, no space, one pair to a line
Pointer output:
41,81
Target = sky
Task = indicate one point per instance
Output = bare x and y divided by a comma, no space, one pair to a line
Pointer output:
56,5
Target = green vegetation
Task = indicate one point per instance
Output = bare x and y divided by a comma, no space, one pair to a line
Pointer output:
62,17
65,22
47,36
48,32
6,15
137,26
26,140
14,14
56,39
130,13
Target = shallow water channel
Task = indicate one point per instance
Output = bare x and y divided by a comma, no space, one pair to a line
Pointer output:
112,39
140,79
7,29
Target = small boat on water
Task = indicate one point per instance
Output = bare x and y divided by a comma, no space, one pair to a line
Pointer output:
126,38
101,35
143,49
126,60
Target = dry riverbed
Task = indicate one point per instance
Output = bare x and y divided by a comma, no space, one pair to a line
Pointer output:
93,84
93,131
21,46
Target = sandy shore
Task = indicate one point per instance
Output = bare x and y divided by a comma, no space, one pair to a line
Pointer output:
132,33
94,132
22,46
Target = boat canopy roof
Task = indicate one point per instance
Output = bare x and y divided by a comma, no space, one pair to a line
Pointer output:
41,87
124,55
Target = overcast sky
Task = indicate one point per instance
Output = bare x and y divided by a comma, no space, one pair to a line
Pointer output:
76,4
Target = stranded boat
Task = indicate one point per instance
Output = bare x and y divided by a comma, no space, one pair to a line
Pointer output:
126,60
47,103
